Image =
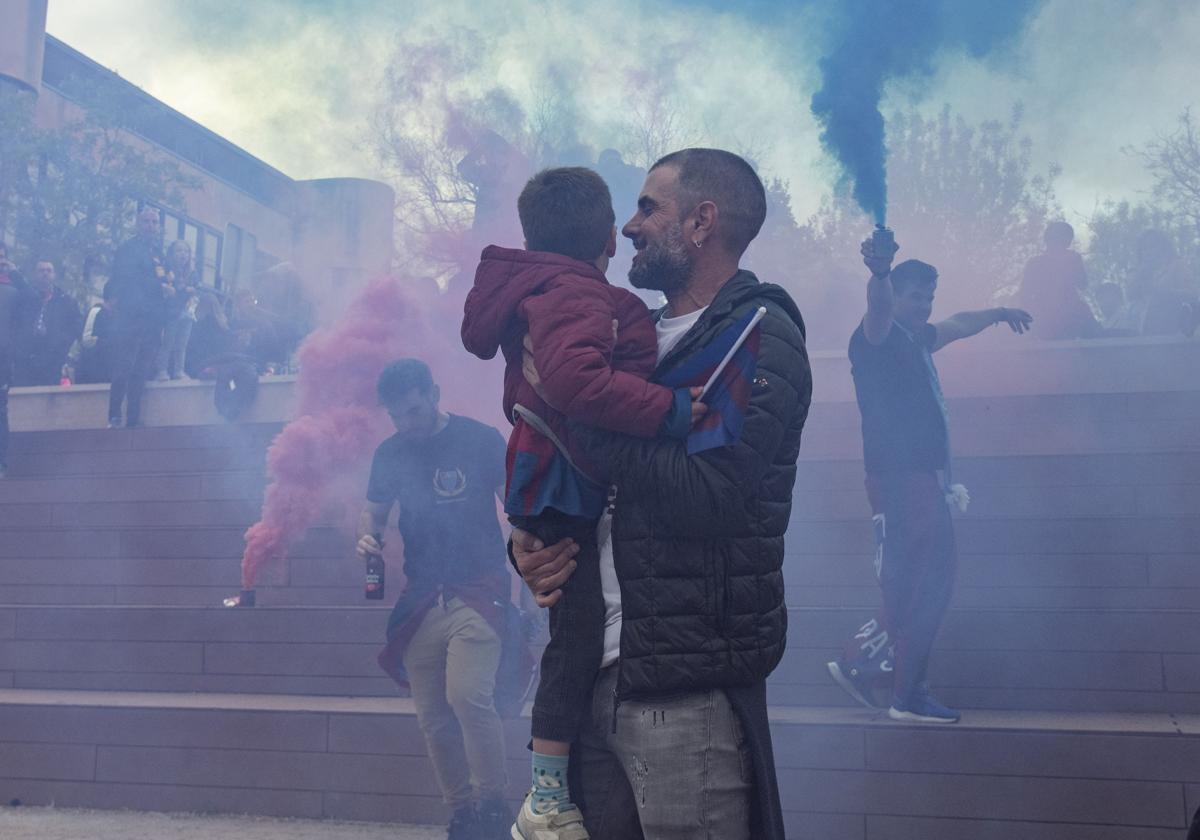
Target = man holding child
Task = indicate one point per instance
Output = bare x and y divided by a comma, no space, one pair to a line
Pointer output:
670,736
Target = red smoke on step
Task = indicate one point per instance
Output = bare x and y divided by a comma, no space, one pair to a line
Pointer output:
338,419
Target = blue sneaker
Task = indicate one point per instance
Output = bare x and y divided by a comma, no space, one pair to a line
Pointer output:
854,682
922,707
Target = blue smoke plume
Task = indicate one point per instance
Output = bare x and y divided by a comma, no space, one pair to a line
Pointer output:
872,41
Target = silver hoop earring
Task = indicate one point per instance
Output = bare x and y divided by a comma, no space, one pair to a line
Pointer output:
699,242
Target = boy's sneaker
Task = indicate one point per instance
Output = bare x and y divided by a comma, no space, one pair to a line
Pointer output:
563,823
922,707
464,824
854,682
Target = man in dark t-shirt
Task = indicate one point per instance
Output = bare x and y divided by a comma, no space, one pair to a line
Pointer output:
445,633
906,451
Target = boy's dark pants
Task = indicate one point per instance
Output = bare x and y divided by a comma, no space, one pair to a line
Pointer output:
572,657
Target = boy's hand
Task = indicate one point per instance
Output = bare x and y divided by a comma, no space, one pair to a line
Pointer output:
699,409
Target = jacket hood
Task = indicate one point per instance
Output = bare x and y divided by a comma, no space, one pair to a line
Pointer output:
744,287
506,277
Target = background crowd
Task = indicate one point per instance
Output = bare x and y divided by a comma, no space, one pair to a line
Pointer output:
154,321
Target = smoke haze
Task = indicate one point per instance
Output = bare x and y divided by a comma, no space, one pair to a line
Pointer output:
860,63
296,83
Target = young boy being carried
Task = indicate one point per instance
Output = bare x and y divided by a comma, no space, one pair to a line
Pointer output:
594,347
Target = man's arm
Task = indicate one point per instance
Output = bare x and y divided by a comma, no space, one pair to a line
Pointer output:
967,324
881,300
373,520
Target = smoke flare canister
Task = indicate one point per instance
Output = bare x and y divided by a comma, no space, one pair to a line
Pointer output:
883,241
375,573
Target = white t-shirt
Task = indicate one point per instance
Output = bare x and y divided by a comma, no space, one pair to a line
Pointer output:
670,331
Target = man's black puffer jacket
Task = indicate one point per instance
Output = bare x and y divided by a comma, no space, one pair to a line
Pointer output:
698,540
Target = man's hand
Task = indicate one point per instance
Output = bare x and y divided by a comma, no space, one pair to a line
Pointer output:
1018,319
879,264
543,569
368,546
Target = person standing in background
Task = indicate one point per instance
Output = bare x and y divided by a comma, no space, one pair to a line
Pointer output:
50,323
180,312
13,293
137,291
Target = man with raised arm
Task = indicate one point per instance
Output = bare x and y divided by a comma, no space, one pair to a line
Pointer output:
906,450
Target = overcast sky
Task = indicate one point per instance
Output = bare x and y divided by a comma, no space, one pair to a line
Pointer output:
295,81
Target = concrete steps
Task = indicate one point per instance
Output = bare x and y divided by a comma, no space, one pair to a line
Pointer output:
845,775
1075,660
1076,620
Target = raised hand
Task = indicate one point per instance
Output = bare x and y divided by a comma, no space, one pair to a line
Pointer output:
879,264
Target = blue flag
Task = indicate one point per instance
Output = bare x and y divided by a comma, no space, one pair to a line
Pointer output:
729,395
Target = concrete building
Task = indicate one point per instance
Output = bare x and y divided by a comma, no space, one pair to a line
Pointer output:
246,216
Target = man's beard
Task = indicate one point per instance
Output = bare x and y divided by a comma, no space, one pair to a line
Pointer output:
665,266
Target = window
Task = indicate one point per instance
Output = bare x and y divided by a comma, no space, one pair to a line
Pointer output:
172,227
191,235
207,265
237,256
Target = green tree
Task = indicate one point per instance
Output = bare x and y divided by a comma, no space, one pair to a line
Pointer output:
1173,209
1173,159
70,194
1116,228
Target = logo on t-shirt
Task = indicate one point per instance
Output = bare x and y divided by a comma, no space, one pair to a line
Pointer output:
449,483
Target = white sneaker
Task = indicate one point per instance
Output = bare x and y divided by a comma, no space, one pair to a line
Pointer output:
563,823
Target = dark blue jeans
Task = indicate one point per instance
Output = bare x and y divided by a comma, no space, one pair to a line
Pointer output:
916,561
135,346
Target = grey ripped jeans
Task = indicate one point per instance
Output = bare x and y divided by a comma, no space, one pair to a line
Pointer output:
676,768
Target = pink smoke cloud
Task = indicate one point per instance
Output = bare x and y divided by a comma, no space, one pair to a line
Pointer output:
338,420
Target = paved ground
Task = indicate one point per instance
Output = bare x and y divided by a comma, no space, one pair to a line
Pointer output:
25,823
